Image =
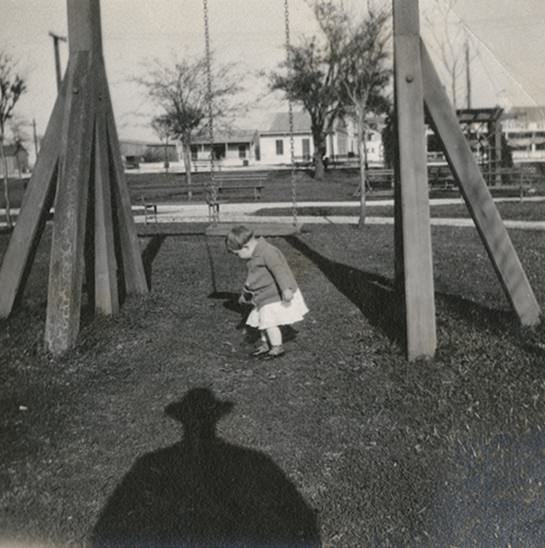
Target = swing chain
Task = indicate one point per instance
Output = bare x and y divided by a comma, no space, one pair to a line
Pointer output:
290,117
212,186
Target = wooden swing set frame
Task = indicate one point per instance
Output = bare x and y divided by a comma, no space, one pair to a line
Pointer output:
94,237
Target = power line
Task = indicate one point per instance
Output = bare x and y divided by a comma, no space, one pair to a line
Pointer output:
506,68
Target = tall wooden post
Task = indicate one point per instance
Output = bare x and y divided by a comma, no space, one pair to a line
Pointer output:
414,213
93,225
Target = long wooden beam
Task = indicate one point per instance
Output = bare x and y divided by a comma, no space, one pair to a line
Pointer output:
477,196
415,215
67,248
133,267
105,274
37,202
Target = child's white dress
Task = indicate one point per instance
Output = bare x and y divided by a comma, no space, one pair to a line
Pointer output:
278,313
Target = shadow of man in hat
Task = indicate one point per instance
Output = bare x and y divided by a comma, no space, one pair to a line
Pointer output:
203,491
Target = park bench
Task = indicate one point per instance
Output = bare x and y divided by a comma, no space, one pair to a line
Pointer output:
377,177
513,179
228,187
440,178
150,210
231,186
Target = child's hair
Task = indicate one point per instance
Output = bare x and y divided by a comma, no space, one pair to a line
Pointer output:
238,237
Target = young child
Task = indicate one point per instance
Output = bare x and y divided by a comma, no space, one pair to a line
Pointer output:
270,287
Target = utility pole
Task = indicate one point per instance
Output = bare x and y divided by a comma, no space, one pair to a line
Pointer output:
56,39
468,76
35,136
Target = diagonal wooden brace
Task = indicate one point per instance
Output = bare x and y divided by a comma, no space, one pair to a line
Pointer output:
477,196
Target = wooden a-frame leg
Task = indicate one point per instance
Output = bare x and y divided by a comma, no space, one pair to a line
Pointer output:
67,248
133,267
413,192
31,220
105,274
477,197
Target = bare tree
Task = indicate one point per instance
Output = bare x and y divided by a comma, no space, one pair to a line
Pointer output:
179,90
364,81
12,86
19,135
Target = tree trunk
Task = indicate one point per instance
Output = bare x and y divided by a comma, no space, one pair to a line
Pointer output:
167,163
319,147
362,152
187,162
9,222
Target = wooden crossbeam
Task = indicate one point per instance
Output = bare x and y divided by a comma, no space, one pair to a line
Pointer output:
477,196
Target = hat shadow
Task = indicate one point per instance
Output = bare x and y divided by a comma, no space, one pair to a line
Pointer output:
204,491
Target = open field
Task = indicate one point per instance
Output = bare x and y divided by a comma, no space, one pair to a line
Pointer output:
362,448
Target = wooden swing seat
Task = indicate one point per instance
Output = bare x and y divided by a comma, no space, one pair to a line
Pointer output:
260,229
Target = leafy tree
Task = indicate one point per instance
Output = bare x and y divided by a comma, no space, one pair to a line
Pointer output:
364,79
309,76
12,86
180,91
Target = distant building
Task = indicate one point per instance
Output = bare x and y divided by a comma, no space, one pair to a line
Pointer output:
482,128
17,160
341,143
236,148
524,128
132,152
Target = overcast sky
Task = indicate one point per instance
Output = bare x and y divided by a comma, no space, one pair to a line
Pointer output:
507,67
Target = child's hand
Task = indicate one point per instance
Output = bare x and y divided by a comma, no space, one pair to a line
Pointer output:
287,295
246,297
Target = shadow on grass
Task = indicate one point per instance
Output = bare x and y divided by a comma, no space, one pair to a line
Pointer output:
204,491
501,323
373,294
148,255
230,302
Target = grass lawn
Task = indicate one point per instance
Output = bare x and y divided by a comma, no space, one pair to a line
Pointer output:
524,211
337,185
340,442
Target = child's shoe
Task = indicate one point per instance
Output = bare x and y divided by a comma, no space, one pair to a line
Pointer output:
275,352
261,350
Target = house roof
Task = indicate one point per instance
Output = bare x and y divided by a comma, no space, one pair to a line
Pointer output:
280,123
529,114
302,124
233,136
479,115
133,142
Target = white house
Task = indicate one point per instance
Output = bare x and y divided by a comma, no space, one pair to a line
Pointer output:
234,148
341,143
275,142
524,128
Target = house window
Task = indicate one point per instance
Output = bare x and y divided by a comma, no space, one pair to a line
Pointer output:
279,147
241,151
306,149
